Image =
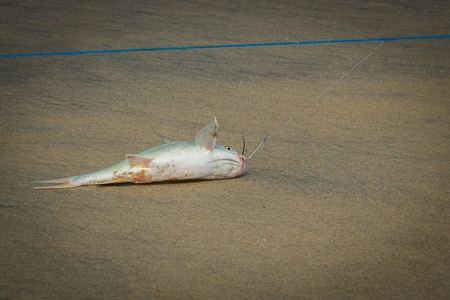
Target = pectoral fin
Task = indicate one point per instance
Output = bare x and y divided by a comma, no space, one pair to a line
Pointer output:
207,137
138,161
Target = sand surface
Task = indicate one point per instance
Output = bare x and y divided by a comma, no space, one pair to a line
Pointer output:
349,201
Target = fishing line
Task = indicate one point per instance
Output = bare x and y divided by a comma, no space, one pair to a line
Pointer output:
317,98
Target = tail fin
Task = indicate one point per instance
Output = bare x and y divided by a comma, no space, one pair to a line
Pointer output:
112,174
60,183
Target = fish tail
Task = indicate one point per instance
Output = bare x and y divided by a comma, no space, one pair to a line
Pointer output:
112,174
60,183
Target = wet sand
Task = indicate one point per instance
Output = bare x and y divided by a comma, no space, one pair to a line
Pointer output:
350,200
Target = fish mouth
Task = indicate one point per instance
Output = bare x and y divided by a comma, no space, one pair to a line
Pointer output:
243,163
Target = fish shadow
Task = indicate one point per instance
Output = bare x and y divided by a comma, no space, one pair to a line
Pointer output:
157,183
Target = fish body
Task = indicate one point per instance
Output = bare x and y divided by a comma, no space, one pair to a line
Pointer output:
201,159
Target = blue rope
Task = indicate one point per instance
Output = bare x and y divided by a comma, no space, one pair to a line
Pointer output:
187,47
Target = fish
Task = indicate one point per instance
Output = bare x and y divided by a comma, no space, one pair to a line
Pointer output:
200,159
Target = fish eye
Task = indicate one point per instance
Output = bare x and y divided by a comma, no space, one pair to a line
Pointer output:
228,148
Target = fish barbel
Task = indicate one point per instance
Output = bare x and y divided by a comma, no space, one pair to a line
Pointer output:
201,159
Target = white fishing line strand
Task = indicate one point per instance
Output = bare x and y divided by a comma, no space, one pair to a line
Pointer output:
318,97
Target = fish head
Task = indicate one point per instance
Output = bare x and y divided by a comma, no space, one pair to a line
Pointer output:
230,163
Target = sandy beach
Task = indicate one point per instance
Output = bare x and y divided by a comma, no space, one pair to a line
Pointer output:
350,200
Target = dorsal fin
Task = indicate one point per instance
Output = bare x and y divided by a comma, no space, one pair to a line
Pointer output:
207,137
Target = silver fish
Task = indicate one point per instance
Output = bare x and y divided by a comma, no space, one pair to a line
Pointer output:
201,159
